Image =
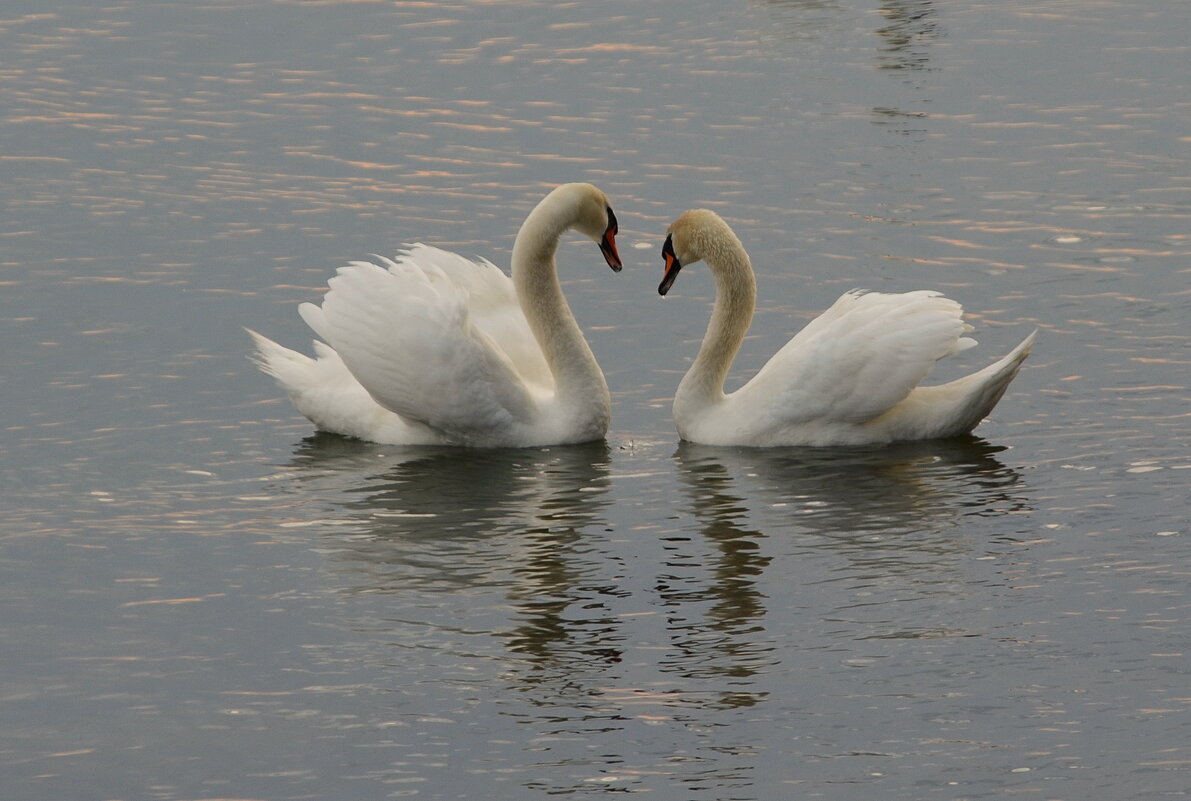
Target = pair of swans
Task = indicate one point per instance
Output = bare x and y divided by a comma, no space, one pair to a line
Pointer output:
436,349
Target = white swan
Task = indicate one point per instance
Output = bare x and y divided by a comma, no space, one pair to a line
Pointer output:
436,349
850,377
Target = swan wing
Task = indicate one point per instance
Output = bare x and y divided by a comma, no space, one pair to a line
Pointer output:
858,359
492,305
406,332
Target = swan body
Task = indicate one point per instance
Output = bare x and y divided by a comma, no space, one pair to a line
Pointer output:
435,349
850,377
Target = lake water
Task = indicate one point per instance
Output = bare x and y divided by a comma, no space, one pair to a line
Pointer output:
202,599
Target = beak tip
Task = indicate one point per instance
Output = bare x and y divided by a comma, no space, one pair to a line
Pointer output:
611,254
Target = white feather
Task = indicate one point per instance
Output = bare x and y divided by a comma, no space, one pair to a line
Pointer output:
434,348
850,377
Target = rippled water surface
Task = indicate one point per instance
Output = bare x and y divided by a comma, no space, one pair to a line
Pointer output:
203,599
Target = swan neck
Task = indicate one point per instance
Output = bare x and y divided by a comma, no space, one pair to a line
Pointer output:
735,300
577,375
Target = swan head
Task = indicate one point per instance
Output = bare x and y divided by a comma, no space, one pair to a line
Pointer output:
696,235
593,218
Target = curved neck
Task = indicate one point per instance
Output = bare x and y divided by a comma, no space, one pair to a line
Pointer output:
735,299
577,375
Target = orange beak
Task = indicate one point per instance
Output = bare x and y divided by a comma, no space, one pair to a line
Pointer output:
673,265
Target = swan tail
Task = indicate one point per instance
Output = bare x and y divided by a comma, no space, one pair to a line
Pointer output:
989,384
288,367
311,384
970,399
325,393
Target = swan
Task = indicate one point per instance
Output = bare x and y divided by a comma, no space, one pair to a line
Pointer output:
850,377
436,349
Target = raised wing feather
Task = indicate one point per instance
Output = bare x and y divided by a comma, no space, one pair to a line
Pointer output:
491,302
860,357
406,333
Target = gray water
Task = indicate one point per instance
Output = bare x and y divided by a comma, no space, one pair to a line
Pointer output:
203,599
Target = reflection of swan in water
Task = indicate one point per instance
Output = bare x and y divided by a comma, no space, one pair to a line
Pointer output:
847,492
714,609
859,528
909,27
509,523
755,508
431,517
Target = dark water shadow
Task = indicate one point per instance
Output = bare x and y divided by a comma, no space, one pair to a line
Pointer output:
857,527
848,491
885,511
513,528
911,27
426,509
